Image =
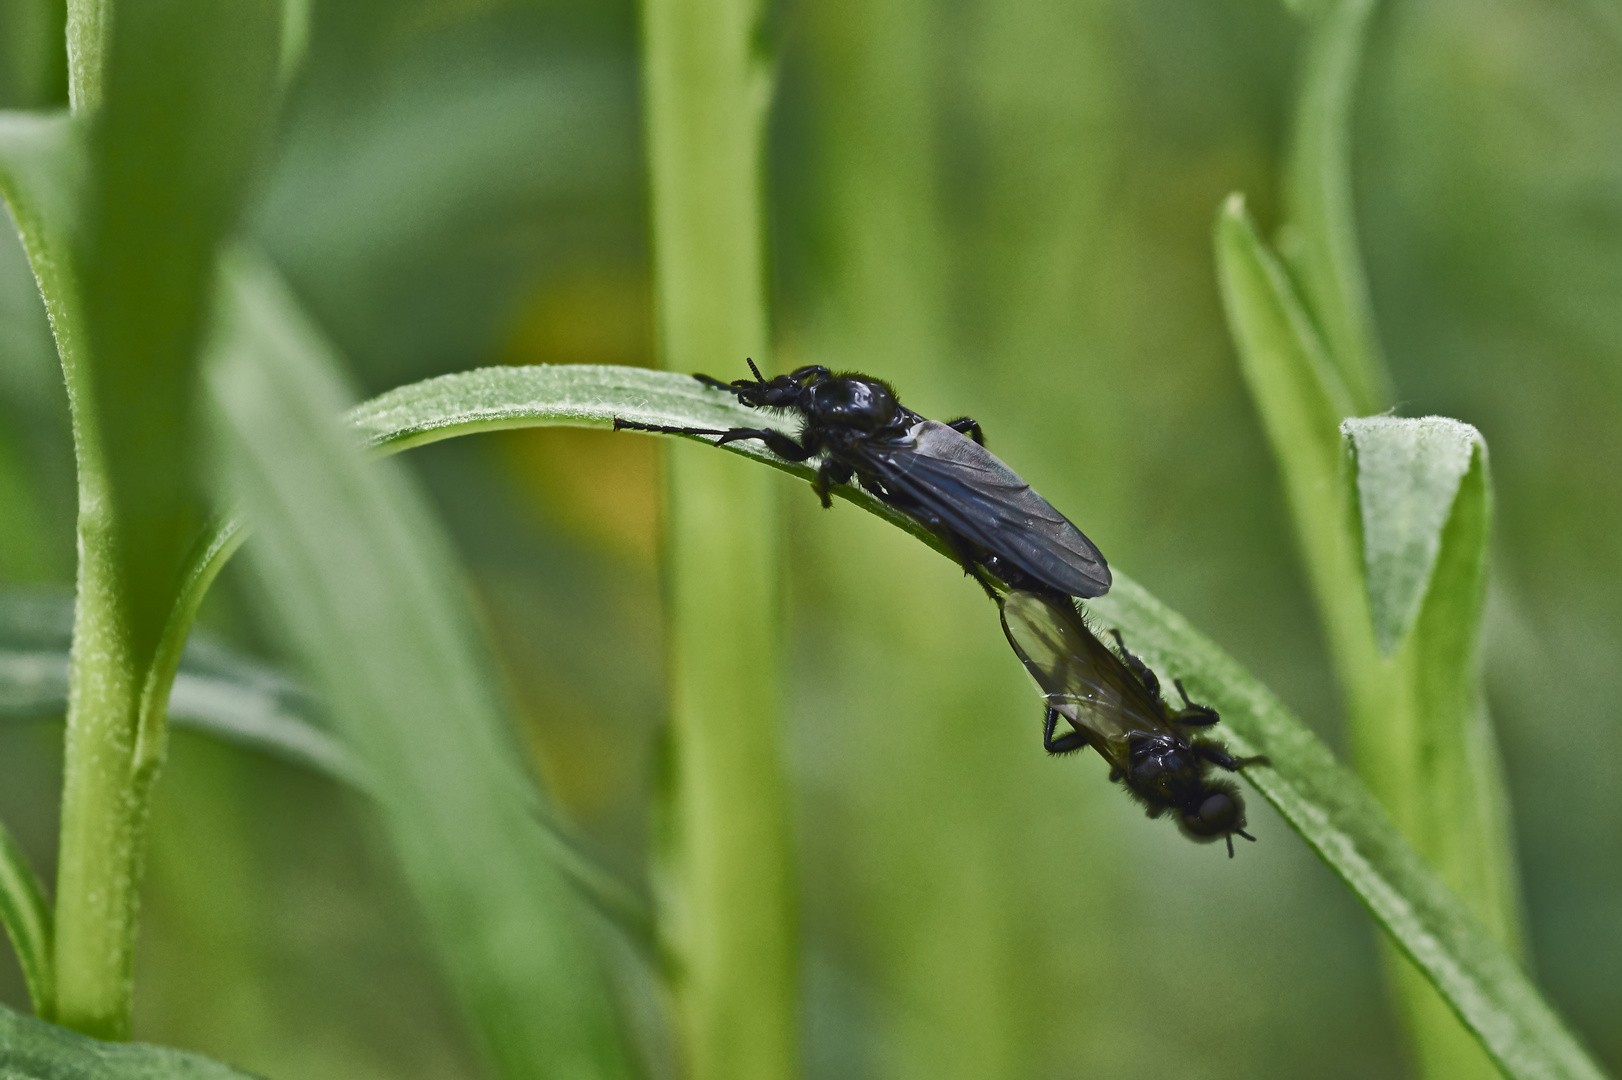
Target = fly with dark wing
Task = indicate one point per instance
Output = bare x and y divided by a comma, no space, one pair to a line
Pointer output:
1113,704
941,475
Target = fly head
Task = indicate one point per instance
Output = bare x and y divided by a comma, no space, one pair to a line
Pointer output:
1216,813
784,392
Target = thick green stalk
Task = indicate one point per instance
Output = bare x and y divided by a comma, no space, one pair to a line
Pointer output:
729,920
103,805
87,46
121,218
103,815
104,808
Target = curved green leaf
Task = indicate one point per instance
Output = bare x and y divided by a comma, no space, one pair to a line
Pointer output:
1321,799
26,915
214,691
570,395
1301,401
1420,732
365,586
34,1050
583,395
1408,474
1320,239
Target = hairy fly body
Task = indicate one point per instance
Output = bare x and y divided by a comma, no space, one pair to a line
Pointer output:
1113,704
941,475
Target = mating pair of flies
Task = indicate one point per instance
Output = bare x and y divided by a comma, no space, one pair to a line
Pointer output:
1029,558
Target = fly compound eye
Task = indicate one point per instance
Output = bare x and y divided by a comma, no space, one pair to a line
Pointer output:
1217,813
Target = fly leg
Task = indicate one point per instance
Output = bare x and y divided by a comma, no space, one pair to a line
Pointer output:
1145,676
967,425
1218,755
1194,715
829,473
778,443
1068,743
965,557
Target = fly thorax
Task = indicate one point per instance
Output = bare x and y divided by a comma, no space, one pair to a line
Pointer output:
1164,765
852,401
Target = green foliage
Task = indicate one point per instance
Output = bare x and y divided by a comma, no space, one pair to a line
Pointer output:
26,916
723,869
1002,206
1320,239
1393,527
1408,477
1395,543
359,578
121,232
33,1050
1441,934
215,690
1324,802
187,93
576,395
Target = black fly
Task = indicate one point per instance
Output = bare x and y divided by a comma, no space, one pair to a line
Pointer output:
941,475
1113,704
1027,556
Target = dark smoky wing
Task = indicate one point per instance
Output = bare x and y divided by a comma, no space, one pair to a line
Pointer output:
974,494
1077,674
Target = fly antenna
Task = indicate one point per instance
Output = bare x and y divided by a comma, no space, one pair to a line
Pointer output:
1229,839
758,376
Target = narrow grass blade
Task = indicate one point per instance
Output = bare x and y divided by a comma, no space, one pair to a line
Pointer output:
26,916
365,588
1320,239
34,1050
43,164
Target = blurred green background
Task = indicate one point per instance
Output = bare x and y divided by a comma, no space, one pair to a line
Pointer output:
1005,207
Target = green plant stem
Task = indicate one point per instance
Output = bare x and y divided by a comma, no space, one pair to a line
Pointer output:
727,901
104,795
87,46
